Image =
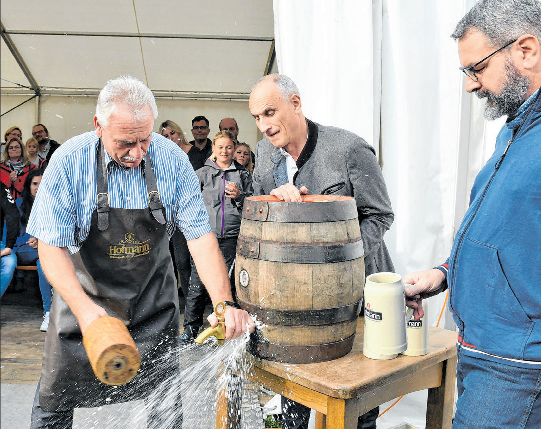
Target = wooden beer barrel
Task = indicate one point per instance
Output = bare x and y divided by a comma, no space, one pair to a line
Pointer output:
300,270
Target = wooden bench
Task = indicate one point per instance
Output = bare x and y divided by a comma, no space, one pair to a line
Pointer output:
343,389
27,267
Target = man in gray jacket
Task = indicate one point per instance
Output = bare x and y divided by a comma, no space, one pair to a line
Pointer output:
297,156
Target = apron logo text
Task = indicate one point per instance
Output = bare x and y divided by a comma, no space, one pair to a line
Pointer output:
130,247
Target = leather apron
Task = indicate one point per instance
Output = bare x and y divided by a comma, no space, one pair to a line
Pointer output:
124,266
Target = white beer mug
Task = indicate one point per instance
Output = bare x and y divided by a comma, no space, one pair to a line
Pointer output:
385,316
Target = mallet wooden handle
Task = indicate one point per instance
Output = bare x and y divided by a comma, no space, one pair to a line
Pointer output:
111,351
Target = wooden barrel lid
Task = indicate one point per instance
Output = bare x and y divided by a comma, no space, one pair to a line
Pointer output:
324,208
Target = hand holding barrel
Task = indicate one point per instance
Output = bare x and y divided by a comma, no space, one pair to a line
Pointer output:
289,193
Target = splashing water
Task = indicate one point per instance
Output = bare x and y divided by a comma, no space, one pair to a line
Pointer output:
205,370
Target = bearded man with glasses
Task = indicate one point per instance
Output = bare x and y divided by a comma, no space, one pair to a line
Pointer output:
494,268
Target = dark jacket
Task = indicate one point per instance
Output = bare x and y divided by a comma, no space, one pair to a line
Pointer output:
225,214
338,162
198,157
10,214
54,146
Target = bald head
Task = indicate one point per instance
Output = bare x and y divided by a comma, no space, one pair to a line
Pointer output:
229,124
275,104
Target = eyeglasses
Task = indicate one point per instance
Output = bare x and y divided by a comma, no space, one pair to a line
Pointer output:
202,127
35,133
229,129
470,72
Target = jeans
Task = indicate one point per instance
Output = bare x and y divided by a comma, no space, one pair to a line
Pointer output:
496,395
156,418
26,255
181,259
197,294
8,265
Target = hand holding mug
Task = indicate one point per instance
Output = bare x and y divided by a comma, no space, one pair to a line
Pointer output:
231,190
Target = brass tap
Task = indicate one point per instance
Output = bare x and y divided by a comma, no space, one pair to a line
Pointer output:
219,330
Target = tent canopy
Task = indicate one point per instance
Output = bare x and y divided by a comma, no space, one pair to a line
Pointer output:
209,49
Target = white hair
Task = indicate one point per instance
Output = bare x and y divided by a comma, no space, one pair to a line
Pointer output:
125,90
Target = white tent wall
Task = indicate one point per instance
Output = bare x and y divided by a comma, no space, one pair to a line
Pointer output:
18,114
388,71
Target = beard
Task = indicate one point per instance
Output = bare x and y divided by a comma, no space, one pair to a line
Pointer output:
511,96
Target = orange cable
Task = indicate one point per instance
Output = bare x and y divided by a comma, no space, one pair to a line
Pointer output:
437,324
443,308
391,406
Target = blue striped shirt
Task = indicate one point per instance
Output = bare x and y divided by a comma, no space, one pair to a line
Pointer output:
66,197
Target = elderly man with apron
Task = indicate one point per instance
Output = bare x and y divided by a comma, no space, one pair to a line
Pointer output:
106,209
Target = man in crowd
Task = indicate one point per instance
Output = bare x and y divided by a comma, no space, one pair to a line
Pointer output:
494,267
46,146
230,124
297,156
200,132
106,208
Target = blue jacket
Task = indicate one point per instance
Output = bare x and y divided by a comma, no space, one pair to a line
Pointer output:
495,265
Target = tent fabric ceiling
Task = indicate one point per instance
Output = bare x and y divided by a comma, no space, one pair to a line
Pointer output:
184,49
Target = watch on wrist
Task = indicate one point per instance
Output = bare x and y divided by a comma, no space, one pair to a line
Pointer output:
231,304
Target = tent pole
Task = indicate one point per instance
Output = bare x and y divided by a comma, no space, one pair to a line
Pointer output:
38,109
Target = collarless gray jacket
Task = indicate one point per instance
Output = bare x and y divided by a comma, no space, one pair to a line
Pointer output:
340,163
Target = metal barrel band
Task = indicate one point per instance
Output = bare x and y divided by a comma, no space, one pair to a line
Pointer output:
320,317
300,253
301,353
299,212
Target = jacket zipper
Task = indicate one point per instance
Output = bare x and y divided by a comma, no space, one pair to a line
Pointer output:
496,169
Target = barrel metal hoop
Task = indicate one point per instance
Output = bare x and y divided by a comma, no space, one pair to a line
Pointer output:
300,253
299,212
299,354
255,210
312,317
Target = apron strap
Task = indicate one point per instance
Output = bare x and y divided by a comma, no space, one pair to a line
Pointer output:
103,191
154,201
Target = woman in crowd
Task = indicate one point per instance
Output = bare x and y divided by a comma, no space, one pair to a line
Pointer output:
25,250
178,246
15,167
10,132
224,185
32,149
173,132
243,156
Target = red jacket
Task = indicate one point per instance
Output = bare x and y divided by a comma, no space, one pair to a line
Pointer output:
15,187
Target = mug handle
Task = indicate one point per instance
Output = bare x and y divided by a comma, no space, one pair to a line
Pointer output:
409,313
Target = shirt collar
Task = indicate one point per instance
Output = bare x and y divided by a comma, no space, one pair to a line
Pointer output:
517,119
